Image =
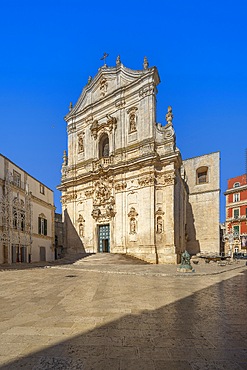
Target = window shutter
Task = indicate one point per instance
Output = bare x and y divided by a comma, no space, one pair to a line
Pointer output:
39,225
45,227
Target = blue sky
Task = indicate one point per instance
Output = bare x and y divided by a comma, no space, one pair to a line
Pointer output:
49,48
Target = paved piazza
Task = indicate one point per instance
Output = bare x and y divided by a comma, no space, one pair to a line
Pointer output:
123,316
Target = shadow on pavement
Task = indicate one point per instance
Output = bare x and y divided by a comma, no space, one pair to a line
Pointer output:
206,330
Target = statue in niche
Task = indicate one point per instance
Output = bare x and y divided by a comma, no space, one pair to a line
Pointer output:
80,144
105,151
159,225
132,120
132,226
81,225
81,230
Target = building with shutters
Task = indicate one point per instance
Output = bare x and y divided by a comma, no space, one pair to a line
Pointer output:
236,213
125,187
26,216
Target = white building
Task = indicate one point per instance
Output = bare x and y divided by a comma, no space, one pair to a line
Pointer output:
26,216
124,188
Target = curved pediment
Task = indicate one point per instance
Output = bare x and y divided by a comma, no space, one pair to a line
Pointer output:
108,81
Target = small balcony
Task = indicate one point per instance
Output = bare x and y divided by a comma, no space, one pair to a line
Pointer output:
237,218
103,162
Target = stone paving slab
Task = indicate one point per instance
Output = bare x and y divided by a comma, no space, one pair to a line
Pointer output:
77,318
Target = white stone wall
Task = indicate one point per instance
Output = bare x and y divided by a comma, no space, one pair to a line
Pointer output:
204,199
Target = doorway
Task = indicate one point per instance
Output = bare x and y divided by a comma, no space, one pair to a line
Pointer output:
104,239
42,254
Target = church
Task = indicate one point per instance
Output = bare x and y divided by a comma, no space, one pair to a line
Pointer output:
125,187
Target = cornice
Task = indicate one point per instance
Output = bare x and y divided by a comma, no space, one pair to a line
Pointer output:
205,191
46,237
236,190
40,201
237,204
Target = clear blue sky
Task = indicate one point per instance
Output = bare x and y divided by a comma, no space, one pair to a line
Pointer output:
49,48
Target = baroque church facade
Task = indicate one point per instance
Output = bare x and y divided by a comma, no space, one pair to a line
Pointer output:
124,184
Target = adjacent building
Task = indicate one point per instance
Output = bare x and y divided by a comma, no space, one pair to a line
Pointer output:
236,214
203,207
125,187
26,216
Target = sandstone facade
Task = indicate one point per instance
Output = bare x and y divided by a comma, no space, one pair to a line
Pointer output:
122,188
203,229
27,216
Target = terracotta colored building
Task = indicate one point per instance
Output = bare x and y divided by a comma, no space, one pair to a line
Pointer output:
236,211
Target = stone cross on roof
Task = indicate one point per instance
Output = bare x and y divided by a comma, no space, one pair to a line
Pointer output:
105,55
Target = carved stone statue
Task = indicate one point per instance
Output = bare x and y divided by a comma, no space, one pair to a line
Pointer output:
169,115
145,63
132,226
159,225
132,120
80,144
105,151
118,61
81,225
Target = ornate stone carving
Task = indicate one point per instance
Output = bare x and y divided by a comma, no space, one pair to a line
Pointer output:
169,115
147,89
147,148
132,119
133,222
81,142
89,118
120,103
118,61
81,222
71,128
159,212
169,179
159,225
104,201
166,179
159,220
94,129
96,213
69,197
103,193
65,158
146,180
120,186
103,86
111,122
145,63
89,193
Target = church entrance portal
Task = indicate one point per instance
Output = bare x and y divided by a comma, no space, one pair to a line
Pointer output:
104,238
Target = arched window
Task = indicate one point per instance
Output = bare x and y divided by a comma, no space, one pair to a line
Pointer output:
104,146
202,175
236,184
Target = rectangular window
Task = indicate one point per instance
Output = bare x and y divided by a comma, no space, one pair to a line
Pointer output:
17,178
236,230
42,189
236,197
42,224
236,213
